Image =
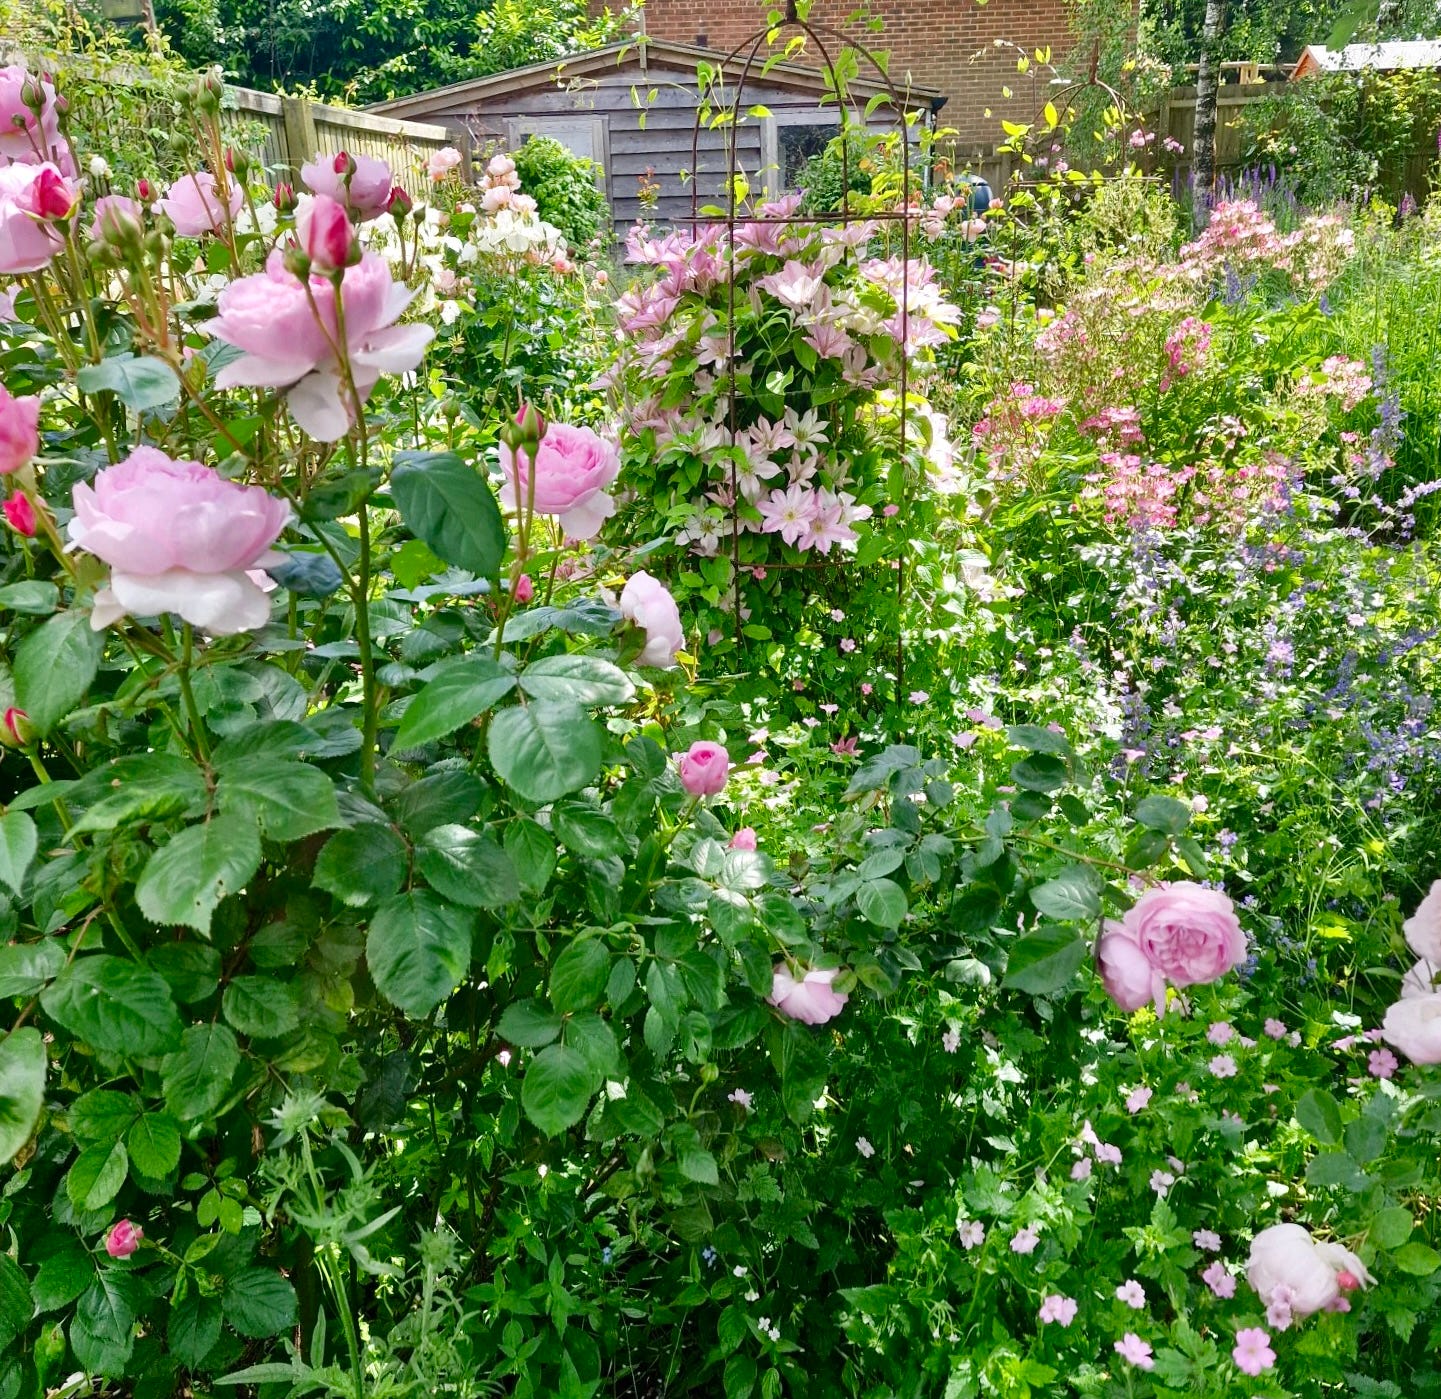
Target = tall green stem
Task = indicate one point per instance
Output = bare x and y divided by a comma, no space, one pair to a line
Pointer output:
370,723
192,710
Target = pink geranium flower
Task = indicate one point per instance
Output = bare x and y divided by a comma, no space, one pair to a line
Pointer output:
1252,1352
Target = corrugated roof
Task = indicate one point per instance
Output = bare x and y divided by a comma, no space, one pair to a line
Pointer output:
629,51
1400,53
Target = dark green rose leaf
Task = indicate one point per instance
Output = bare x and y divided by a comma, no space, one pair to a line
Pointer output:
115,1006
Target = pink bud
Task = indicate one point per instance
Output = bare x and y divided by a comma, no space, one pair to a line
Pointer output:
704,768
399,204
743,839
16,730
51,195
602,277
524,589
343,165
143,190
284,199
326,235
123,1239
531,423
21,515
1347,1281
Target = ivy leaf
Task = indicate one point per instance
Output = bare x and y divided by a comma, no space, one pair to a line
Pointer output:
418,950
185,880
1043,962
557,1089
54,666
459,690
446,502
22,1088
115,1006
545,750
197,1076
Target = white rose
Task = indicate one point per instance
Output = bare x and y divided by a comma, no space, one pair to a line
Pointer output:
1413,1025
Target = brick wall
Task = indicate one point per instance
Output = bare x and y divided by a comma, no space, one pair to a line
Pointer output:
945,44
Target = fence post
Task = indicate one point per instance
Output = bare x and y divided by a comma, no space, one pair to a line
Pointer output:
299,132
459,137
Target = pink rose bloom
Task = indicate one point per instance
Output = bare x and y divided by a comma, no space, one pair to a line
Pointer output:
743,839
112,213
27,137
19,431
1413,1025
1423,928
704,768
195,206
1289,1269
810,1000
647,602
1126,972
269,316
123,1239
442,162
573,466
178,538
368,191
27,243
1188,933
1252,1351
323,228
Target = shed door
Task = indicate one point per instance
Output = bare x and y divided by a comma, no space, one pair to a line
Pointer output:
587,137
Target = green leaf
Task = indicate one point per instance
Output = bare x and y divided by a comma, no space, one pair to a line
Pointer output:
102,1330
362,865
418,950
1420,1260
16,1304
115,1006
531,851
25,967
97,1175
578,679
1040,772
1391,1227
459,690
150,788
18,843
33,597
557,1089
1073,895
59,1280
193,1328
699,1165
1034,739
882,902
154,1144
1320,1114
185,880
449,505
197,1076
290,800
140,383
1045,961
468,867
528,1024
261,1006
22,1088
259,1302
544,751
1163,814
54,666
1365,1138
578,978
103,1115
1336,1168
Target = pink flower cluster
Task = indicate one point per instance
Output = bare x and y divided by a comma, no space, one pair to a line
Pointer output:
1243,237
1180,934
500,186
1186,349
1346,380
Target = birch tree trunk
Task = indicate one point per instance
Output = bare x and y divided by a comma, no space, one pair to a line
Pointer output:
1203,143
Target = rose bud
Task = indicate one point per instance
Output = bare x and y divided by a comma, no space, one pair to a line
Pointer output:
284,199
20,514
123,1239
524,589
325,233
16,730
399,204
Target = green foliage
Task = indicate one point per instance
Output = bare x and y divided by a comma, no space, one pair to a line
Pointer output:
565,190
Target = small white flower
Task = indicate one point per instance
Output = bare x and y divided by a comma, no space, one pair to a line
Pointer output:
99,168
865,1148
1161,1182
951,1040
753,1296
740,1270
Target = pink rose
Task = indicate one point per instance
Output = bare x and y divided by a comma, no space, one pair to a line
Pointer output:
19,431
324,230
123,1239
524,589
743,839
28,137
647,602
27,243
51,195
178,538
1423,928
195,206
703,769
573,466
1413,1025
270,317
366,190
1126,972
810,1000
20,515
1189,933
442,162
1289,1270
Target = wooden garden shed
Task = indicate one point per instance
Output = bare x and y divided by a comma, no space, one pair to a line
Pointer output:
632,107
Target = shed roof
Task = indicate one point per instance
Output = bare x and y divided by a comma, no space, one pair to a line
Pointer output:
639,53
1387,57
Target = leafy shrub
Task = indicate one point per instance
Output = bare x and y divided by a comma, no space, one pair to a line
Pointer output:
564,189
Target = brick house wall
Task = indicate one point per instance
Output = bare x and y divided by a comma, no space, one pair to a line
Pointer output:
946,44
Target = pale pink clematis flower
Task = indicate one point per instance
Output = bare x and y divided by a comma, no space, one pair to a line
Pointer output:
811,1000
